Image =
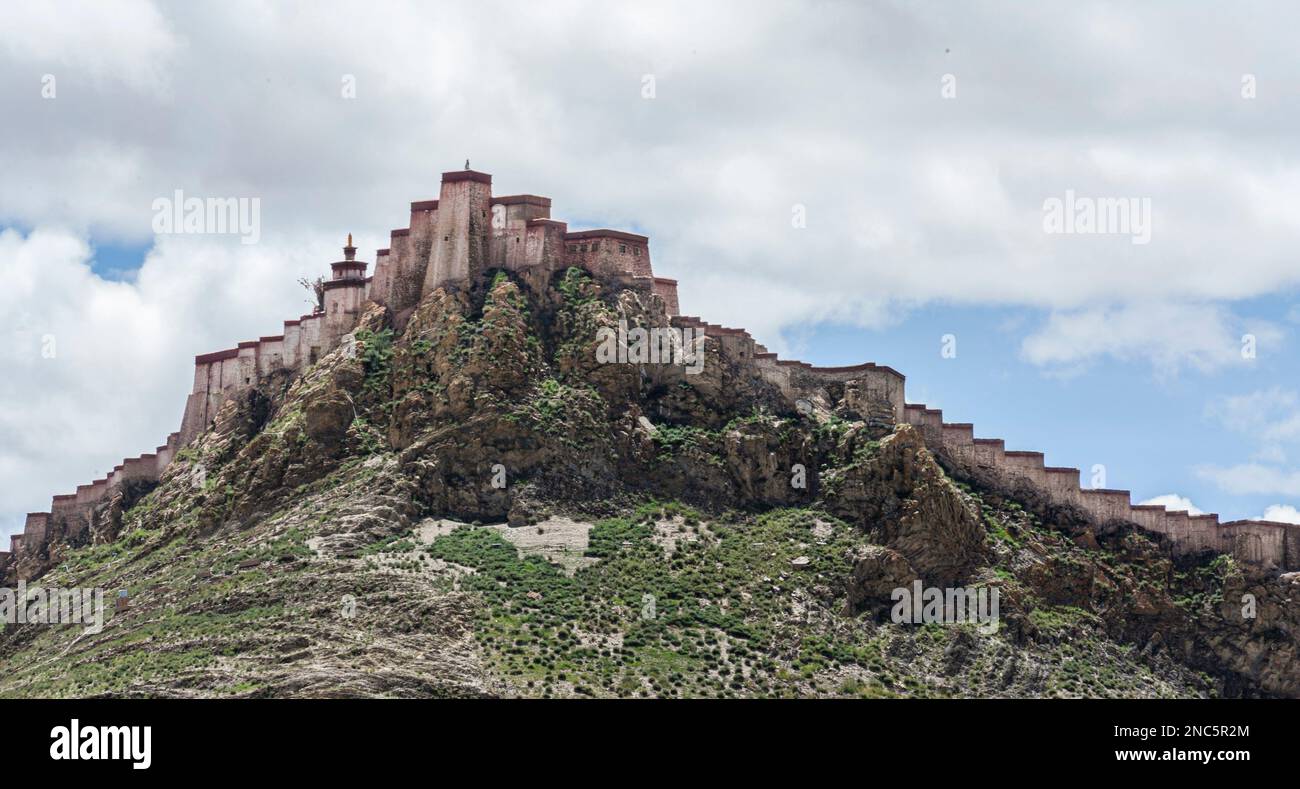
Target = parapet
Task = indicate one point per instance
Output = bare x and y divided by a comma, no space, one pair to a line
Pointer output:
1261,543
666,289
457,176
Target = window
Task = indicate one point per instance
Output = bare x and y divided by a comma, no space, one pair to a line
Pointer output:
573,248
622,249
636,251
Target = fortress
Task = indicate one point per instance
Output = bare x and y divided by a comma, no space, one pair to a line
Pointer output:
454,240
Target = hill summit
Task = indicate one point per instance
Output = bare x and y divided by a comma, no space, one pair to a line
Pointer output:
504,464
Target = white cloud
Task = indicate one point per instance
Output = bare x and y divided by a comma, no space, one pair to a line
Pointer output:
1281,513
1252,478
1171,336
1173,502
122,351
1269,416
757,108
125,41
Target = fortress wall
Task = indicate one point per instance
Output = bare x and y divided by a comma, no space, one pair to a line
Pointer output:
666,289
932,427
608,254
417,252
1106,505
1026,465
959,440
1255,542
880,383
1176,524
343,300
459,250
166,453
544,244
141,468
1149,516
1200,534
309,340
270,356
202,372
775,373
990,452
1063,485
466,230
928,420
1290,544
36,525
402,294
735,343
195,417
228,377
289,347
381,288
509,226
248,364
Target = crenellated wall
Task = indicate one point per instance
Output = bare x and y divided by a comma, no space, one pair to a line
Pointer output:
447,242
1266,544
466,232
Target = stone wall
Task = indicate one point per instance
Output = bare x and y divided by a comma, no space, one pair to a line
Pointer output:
466,232
1266,544
448,241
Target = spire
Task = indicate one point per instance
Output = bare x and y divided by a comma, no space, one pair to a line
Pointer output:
467,164
349,252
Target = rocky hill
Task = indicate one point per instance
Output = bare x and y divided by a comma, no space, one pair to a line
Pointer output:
465,501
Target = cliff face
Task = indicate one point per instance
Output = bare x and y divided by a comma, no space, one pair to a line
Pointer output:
649,531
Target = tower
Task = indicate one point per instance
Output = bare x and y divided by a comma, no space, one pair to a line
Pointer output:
460,237
344,294
349,267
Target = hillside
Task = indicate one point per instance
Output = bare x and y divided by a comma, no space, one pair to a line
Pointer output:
462,500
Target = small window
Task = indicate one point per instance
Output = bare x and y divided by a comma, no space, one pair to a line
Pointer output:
248,380
573,248
638,251
622,249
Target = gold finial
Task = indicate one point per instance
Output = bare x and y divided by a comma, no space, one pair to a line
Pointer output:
349,239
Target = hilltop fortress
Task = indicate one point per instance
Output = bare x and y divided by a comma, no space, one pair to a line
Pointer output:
453,241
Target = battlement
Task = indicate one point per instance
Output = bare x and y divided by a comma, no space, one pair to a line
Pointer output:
467,232
1270,545
448,241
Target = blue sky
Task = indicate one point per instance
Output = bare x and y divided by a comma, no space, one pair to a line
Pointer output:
1150,431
